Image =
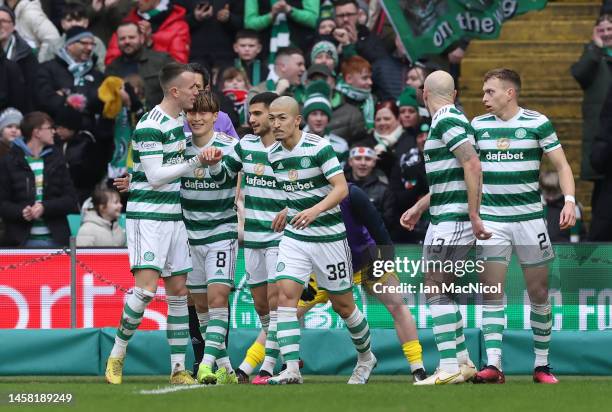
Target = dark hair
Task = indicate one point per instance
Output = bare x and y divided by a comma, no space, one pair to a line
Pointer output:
388,104
75,11
31,121
604,17
363,142
129,23
338,3
427,68
170,72
247,34
288,51
198,68
266,98
506,75
101,195
205,102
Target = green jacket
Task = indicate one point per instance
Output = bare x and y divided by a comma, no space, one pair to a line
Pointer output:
593,71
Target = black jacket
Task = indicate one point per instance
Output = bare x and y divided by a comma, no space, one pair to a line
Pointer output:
17,190
53,76
601,161
593,71
28,64
369,45
12,85
86,158
377,189
147,64
211,40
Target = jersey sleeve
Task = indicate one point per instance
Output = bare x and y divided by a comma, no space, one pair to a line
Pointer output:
327,160
454,133
547,137
233,160
229,166
148,141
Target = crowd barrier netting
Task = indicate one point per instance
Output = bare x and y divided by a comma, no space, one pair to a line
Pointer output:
35,288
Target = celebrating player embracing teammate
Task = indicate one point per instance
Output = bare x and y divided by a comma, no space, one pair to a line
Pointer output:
297,184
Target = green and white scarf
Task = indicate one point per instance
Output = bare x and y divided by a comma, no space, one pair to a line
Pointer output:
255,69
161,7
364,97
78,70
280,35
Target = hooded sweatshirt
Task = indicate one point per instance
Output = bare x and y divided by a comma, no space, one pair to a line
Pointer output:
99,232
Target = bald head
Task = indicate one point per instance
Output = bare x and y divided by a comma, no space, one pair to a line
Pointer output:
285,104
285,119
440,85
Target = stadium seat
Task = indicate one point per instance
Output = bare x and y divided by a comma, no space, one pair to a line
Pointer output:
74,222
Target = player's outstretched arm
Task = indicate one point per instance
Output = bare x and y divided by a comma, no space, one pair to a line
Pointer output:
411,216
567,218
339,191
227,167
472,172
158,174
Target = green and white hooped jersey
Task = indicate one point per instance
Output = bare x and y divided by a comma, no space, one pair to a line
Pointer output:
157,133
208,204
263,196
39,230
510,154
303,174
449,129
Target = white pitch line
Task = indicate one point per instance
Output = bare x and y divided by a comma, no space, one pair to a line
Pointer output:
170,389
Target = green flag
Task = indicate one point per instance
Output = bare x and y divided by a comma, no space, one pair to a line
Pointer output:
432,26
118,165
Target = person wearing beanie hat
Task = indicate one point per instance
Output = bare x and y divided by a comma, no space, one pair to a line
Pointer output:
75,14
317,113
71,78
78,52
326,23
324,52
10,119
408,108
68,118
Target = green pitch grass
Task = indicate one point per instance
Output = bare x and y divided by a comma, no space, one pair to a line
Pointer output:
318,394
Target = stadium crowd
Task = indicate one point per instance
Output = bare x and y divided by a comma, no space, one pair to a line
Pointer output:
75,77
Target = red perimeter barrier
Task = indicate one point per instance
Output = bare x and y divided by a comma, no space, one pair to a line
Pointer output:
35,289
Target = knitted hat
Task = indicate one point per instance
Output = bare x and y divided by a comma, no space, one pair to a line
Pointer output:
69,118
326,12
318,69
317,98
10,116
408,98
109,93
8,11
76,33
324,46
364,7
